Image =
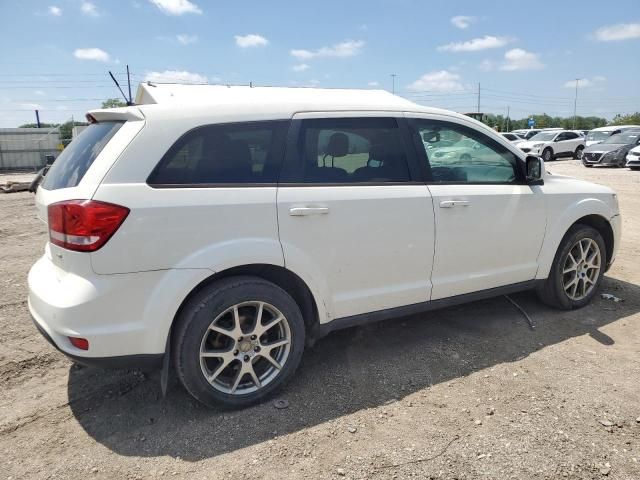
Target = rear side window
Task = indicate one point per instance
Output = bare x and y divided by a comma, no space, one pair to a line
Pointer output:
239,153
72,164
351,150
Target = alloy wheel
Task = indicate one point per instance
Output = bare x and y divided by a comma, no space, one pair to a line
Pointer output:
245,348
581,269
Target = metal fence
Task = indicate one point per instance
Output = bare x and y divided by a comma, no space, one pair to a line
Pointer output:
26,148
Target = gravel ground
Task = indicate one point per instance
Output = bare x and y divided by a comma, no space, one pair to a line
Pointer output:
467,392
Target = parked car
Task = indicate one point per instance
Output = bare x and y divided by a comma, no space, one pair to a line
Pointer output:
552,143
216,231
633,158
527,133
613,151
598,135
513,138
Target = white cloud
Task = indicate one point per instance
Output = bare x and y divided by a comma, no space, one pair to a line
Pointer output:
344,49
176,7
621,31
488,41
186,39
175,76
300,67
373,84
251,40
91,54
89,9
462,21
585,82
55,11
519,59
486,65
440,81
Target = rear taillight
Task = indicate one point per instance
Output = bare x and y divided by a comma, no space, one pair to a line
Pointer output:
84,225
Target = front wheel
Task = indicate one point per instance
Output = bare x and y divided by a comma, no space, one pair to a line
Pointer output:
578,153
577,269
238,341
547,154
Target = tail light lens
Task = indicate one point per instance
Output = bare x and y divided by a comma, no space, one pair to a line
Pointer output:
84,225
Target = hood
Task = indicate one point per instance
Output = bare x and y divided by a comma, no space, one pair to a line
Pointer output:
605,147
530,143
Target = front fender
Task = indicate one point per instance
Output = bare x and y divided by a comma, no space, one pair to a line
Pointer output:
559,222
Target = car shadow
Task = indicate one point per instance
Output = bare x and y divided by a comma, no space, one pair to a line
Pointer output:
345,372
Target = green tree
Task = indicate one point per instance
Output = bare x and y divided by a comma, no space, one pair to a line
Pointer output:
113,103
630,119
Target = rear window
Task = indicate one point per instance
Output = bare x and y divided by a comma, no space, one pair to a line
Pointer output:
72,164
239,153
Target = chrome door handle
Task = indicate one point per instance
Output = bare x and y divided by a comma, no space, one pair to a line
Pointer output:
454,203
302,211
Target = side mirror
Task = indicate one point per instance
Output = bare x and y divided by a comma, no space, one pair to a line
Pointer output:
534,169
431,137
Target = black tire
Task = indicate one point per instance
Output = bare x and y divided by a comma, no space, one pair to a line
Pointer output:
198,314
587,165
634,168
551,292
577,155
547,154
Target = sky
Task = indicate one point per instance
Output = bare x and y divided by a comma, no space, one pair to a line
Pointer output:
524,56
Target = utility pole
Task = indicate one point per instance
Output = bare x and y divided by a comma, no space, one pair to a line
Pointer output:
38,118
393,83
478,97
506,120
575,104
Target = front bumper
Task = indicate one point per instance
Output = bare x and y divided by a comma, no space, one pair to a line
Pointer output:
633,160
601,158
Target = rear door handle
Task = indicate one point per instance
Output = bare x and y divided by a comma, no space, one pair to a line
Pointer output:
454,203
302,211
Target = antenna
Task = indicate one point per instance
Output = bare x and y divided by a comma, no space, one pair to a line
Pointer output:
118,85
129,84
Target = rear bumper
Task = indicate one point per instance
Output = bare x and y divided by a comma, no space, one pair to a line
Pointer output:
143,362
125,317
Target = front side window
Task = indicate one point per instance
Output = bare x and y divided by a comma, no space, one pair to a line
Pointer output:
458,154
351,150
240,153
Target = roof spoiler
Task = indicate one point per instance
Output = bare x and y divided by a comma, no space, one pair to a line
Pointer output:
123,114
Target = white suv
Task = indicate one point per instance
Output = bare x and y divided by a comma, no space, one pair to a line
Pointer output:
551,144
221,229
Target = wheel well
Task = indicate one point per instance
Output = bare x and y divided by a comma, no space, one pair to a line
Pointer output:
285,279
604,227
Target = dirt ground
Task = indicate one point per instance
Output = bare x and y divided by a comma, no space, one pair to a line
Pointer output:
467,392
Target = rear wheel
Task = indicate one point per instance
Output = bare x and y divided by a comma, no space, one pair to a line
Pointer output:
238,341
577,269
578,153
547,154
634,168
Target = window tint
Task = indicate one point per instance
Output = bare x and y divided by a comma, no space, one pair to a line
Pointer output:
351,150
455,153
75,160
220,154
570,135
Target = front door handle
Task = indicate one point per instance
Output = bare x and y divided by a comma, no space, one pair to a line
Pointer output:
302,211
454,203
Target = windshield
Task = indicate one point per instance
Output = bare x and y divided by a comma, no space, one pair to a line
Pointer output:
624,138
75,160
597,136
544,136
